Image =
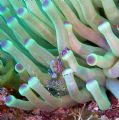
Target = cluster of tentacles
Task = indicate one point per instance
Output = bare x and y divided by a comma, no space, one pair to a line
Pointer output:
57,53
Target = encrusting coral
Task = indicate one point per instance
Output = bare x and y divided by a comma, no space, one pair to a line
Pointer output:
57,53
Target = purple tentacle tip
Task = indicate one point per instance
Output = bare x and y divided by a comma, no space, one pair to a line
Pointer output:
66,22
45,2
3,44
8,99
64,51
90,60
20,11
30,79
89,81
23,86
19,66
10,19
101,22
26,41
2,8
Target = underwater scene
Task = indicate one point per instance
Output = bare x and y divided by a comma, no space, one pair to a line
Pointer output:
59,59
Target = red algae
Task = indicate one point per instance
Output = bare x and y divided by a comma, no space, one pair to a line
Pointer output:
85,111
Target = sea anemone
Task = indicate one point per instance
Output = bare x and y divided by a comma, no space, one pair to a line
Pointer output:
58,53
